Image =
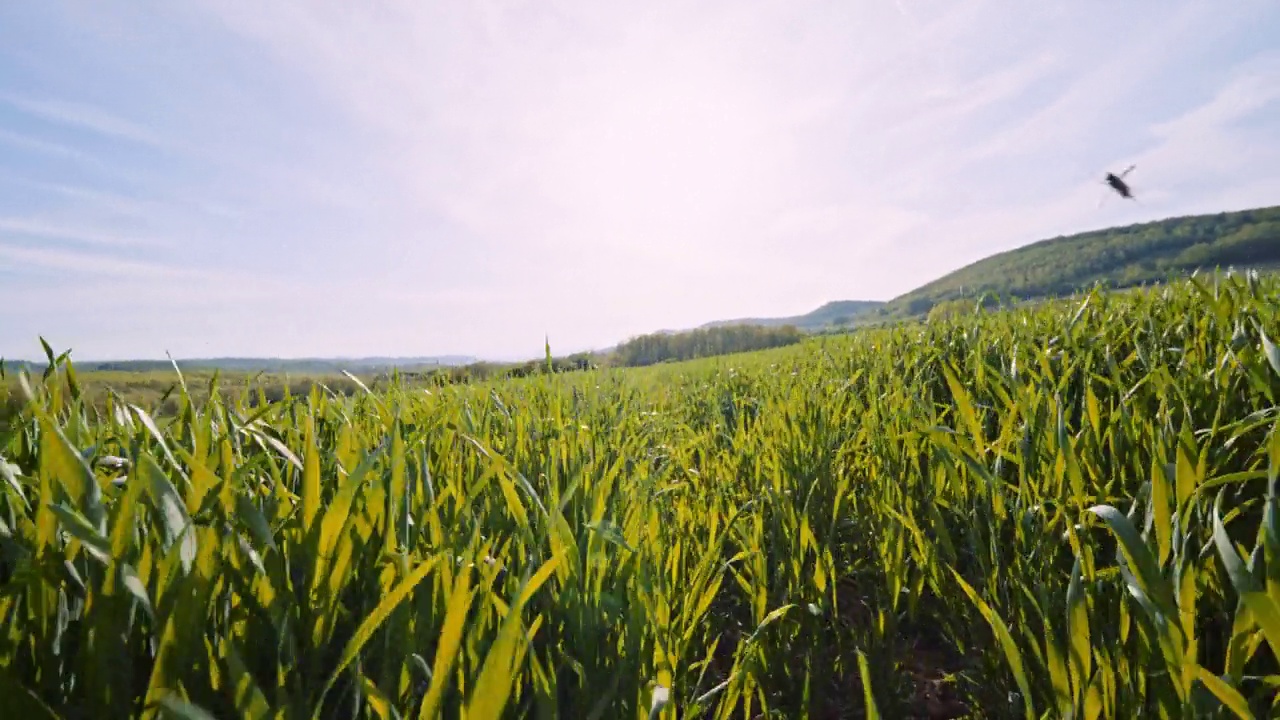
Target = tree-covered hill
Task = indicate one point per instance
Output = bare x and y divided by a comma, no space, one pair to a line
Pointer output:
702,342
1120,257
839,312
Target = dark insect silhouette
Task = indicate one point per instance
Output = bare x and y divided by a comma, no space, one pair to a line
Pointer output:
1117,183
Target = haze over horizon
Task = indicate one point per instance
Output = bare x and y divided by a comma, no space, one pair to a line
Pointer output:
317,179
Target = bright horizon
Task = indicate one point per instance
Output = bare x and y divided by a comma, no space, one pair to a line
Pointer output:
316,179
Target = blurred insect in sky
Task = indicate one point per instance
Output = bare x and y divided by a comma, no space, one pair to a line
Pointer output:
1118,184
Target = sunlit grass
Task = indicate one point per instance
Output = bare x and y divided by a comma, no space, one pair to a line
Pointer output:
1068,510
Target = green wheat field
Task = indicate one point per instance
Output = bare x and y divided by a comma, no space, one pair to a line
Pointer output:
1067,510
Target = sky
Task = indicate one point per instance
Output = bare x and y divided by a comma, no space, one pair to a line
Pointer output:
310,178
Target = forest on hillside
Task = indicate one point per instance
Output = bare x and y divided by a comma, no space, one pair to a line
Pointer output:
663,347
838,313
1120,257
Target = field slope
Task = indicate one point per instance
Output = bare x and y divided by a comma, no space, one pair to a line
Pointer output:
1046,512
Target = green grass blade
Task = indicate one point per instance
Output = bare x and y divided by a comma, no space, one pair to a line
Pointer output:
372,622
1265,611
1007,643
310,478
1146,572
249,698
447,647
492,689
872,711
21,702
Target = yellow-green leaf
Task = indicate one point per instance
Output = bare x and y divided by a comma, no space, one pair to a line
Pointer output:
1227,695
872,711
249,698
310,478
489,696
375,619
1007,644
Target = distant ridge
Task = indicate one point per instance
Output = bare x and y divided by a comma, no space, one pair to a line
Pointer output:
1123,256
839,312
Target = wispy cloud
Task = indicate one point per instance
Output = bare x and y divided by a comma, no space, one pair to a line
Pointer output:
91,236
43,146
1119,71
115,203
88,263
87,117
1218,140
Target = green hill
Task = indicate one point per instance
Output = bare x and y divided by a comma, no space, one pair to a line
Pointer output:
839,312
1120,257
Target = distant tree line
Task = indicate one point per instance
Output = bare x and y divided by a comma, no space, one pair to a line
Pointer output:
663,347
482,371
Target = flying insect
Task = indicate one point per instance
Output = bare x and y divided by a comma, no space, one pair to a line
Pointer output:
1118,184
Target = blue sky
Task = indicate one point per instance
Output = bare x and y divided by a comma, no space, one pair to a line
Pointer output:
321,177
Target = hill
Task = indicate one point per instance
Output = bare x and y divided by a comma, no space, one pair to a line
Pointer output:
839,312
1119,257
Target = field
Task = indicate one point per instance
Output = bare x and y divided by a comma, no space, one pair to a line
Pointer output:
1065,510
160,392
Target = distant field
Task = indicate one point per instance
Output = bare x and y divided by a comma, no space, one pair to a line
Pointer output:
153,386
1028,513
158,391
